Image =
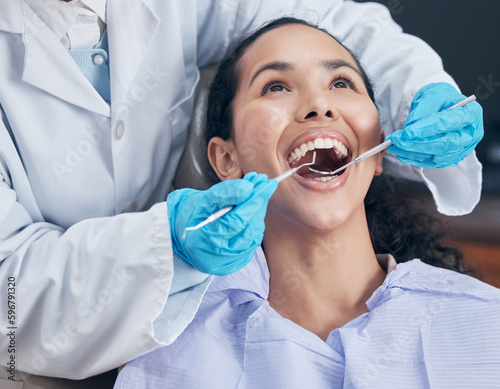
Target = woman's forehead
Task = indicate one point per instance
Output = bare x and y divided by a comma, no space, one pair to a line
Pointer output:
294,43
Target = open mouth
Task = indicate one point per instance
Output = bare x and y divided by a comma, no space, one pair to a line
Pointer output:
331,154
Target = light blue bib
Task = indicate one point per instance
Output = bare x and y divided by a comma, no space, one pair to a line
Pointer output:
94,64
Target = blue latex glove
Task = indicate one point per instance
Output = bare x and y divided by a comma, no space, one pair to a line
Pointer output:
228,243
434,137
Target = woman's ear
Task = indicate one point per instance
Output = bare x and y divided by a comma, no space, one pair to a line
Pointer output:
223,159
380,156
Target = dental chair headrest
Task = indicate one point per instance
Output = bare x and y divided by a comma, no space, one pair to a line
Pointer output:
194,170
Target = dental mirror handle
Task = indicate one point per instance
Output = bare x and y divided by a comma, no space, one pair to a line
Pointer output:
210,219
463,102
287,174
367,154
387,143
223,211
373,151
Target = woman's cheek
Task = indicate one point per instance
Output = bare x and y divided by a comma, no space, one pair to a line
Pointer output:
260,131
368,124
273,120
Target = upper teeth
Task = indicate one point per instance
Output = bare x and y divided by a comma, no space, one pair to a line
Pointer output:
318,143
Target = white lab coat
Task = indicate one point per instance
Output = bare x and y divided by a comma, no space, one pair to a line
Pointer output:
91,286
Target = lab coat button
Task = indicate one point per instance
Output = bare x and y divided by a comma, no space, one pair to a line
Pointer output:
132,207
99,59
119,130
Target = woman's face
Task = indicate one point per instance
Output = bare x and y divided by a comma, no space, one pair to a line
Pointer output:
300,91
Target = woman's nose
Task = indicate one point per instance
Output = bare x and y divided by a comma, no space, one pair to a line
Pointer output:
317,107
315,114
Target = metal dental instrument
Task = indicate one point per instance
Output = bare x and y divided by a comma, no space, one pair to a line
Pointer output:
382,146
225,210
288,173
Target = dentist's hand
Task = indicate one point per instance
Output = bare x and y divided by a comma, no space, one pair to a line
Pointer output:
434,137
228,243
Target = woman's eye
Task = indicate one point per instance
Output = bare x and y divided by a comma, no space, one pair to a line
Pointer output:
274,87
341,84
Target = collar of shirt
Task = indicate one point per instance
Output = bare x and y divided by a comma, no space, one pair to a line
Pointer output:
77,24
254,277
98,6
57,16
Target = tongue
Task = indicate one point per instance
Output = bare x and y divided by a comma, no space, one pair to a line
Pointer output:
306,173
311,175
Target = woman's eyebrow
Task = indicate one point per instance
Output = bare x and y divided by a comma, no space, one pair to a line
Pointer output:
338,63
287,66
275,65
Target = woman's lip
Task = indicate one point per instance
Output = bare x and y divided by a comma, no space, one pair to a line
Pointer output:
334,183
312,134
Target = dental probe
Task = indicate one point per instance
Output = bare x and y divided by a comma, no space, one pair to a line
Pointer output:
382,146
225,210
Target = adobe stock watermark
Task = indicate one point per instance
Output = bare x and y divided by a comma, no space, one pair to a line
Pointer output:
396,6
42,18
77,153
88,313
254,144
368,29
486,87
139,92
11,308
421,318
92,138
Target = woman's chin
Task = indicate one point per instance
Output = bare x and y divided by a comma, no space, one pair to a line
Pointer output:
305,222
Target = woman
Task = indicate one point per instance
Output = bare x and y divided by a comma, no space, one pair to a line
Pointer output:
317,307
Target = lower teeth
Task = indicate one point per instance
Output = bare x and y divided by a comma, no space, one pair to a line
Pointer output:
324,179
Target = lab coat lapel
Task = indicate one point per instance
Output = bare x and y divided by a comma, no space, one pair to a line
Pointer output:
11,17
48,66
131,26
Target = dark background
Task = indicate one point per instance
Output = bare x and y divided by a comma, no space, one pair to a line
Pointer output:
466,34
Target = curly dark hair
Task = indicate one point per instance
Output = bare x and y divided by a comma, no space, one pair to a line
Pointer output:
406,225
398,223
